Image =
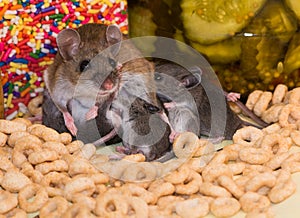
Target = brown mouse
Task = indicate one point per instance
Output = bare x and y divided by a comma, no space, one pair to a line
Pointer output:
86,77
70,72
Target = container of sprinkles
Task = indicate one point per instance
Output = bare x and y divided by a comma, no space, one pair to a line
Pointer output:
28,29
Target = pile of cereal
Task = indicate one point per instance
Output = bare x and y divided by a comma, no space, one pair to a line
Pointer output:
46,173
28,29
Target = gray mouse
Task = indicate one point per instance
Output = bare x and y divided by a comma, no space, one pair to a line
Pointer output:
189,106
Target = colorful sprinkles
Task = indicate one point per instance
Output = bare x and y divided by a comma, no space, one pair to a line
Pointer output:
28,29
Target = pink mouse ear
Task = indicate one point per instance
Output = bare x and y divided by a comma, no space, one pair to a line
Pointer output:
68,41
114,37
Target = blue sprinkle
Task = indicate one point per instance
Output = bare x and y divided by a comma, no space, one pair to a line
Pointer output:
2,63
27,76
39,4
42,55
6,85
21,60
77,21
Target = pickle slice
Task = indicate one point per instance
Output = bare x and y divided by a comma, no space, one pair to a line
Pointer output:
228,51
210,21
294,5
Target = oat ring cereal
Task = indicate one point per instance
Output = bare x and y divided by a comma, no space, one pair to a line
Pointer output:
196,207
55,207
138,191
225,206
266,179
262,103
209,189
8,201
279,93
247,136
289,116
255,155
253,98
190,185
251,201
185,145
54,183
294,97
229,184
283,188
179,175
139,208
79,185
78,210
119,206
57,165
41,156
275,143
139,172
35,191
35,105
271,115
211,173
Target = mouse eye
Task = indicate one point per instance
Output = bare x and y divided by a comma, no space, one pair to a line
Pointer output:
83,65
112,62
151,108
157,76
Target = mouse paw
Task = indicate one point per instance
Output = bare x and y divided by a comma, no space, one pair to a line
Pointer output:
169,105
233,96
92,113
173,135
69,121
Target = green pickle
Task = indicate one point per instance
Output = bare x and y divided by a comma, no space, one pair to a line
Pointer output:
251,44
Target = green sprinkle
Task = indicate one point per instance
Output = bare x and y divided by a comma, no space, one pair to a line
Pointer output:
24,87
36,56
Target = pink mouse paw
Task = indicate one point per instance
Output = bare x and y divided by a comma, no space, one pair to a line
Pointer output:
233,96
69,121
169,105
173,135
92,113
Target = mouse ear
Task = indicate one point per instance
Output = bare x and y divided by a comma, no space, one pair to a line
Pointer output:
68,41
114,36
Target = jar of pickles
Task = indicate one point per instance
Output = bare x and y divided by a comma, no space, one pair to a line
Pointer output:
251,44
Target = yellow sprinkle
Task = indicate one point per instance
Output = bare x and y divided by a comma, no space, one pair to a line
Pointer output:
28,19
18,83
33,86
12,69
9,98
13,31
9,16
81,18
65,8
20,114
93,11
38,45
